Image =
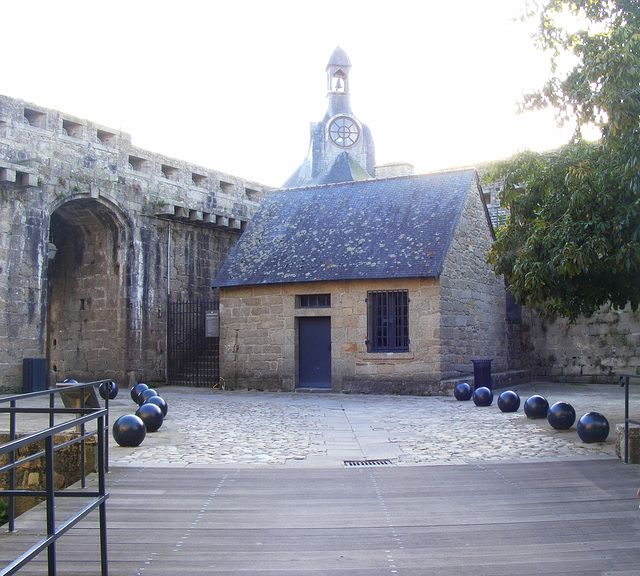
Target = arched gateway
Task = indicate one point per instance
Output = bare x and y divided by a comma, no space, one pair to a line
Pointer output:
97,238
88,279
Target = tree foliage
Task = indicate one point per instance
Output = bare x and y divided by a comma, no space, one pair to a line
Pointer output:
572,240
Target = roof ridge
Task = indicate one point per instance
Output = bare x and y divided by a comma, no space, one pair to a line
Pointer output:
356,182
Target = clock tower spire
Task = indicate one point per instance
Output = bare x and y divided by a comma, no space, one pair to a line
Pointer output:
341,147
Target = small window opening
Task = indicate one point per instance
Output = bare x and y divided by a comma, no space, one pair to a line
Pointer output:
199,179
136,163
169,172
35,118
313,301
226,187
253,195
72,129
106,138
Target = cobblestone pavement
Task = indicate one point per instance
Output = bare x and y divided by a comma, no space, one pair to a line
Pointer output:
212,428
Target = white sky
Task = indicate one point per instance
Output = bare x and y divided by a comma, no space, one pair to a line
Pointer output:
233,85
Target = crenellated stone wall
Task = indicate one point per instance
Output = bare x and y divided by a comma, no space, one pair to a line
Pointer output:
96,235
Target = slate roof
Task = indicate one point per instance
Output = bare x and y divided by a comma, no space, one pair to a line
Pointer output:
385,228
344,168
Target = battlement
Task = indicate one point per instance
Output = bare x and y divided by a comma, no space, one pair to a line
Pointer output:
41,146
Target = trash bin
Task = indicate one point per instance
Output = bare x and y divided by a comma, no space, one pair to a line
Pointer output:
34,374
482,374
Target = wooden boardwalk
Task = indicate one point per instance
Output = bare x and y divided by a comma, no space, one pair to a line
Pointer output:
493,519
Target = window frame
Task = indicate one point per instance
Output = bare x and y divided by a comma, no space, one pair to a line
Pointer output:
313,301
387,321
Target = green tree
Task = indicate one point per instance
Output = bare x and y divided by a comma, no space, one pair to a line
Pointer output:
572,240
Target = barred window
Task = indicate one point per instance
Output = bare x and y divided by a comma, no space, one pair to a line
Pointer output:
388,321
313,301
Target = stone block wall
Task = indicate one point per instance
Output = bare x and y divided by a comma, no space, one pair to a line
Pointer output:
259,337
32,475
96,235
597,349
474,307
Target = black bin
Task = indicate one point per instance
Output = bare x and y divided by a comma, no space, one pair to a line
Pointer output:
482,374
34,374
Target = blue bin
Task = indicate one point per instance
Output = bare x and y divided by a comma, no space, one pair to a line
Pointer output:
482,374
34,374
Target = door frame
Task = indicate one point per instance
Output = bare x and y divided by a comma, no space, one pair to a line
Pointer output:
300,321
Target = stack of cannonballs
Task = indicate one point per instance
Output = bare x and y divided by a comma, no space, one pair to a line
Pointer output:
131,429
592,426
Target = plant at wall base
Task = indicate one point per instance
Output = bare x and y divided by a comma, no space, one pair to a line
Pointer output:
572,240
4,514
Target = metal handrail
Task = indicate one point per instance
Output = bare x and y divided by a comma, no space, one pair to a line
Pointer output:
84,415
624,381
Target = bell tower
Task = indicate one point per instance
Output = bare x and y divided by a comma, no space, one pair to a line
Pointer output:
341,147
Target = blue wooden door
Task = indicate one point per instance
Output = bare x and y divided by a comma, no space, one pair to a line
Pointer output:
314,352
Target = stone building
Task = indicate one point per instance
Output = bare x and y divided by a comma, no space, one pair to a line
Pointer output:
372,286
97,235
352,282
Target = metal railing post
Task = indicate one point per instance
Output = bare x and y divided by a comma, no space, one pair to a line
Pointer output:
102,442
12,474
50,499
626,420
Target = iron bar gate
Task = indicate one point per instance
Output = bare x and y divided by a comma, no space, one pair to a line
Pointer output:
193,357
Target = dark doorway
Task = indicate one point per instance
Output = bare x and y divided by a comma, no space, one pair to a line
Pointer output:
314,352
193,357
88,290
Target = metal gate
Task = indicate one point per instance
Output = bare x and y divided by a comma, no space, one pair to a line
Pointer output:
193,342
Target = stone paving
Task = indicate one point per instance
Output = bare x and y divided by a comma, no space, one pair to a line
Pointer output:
212,428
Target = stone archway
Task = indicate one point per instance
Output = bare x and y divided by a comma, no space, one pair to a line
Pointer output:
88,281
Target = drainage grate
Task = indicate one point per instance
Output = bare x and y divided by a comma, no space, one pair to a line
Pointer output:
367,462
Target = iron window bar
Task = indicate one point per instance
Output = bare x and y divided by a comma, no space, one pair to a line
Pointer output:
388,321
624,382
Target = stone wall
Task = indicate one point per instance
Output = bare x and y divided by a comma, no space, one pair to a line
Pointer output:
32,475
452,321
474,306
597,349
97,234
259,336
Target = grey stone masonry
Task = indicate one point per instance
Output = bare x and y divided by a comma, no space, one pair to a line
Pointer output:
96,235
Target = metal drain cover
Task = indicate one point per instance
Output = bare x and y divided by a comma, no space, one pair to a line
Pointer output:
367,462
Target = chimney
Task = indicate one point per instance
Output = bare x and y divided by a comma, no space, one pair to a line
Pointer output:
394,169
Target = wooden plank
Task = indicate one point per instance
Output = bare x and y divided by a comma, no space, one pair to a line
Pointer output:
529,519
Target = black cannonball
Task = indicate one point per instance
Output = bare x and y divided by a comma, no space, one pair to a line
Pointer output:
482,396
593,427
145,395
110,388
462,391
151,415
160,402
509,401
129,430
561,416
137,389
536,406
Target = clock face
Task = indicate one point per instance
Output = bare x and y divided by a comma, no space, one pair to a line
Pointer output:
344,131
